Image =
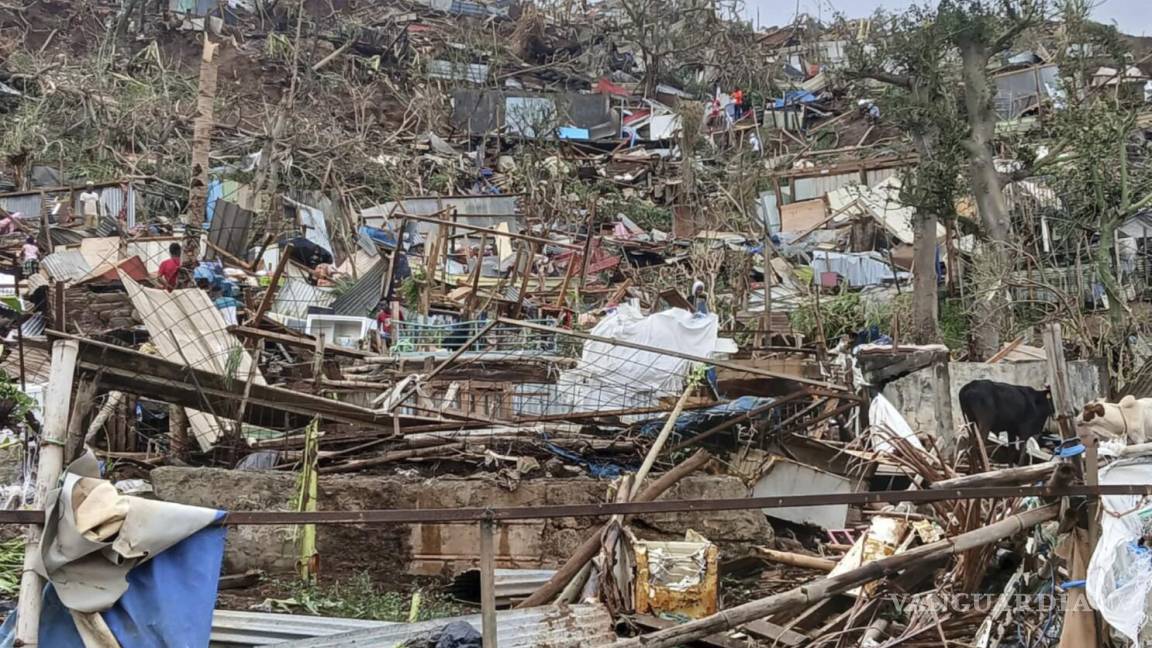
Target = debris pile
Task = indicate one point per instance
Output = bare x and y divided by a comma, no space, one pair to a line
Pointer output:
638,325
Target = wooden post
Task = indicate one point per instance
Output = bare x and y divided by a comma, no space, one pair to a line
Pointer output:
488,583
471,303
57,404
270,293
1088,464
587,245
658,445
386,287
769,276
942,390
318,364
525,275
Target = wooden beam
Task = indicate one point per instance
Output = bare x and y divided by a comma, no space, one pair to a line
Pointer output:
270,293
145,375
488,583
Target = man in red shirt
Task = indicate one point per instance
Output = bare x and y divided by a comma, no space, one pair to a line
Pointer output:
170,268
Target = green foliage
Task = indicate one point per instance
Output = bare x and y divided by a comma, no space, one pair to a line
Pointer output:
954,323
359,598
840,315
22,403
411,288
641,212
11,565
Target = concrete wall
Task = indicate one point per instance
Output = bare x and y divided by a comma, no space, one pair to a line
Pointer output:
433,549
913,395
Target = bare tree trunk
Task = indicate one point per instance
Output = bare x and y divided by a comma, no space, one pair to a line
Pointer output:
925,303
201,149
1105,257
988,193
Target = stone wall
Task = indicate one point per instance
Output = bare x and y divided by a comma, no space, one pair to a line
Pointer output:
913,395
428,549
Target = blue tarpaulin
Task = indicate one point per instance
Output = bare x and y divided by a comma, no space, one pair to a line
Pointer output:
168,604
600,469
793,98
379,236
700,420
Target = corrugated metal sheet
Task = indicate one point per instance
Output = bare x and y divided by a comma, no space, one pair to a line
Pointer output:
37,363
479,211
511,585
34,326
296,295
29,204
575,626
113,198
152,251
363,296
809,188
64,235
453,71
230,230
66,265
233,628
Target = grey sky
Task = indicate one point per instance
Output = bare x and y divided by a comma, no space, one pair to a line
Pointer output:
1132,16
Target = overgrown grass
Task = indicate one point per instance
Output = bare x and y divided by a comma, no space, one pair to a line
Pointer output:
360,598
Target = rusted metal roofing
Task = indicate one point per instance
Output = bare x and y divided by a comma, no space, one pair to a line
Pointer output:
562,626
229,230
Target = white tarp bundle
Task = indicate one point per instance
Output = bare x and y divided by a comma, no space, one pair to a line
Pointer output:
611,377
1120,574
888,422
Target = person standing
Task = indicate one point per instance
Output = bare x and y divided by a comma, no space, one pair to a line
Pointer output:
169,272
31,257
90,206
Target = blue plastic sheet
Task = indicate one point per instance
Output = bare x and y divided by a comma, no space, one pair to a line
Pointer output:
379,236
793,98
168,604
700,420
601,469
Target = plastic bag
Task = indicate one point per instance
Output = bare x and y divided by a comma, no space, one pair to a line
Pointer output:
1120,574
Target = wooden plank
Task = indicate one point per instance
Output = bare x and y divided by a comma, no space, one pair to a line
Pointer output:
145,375
488,582
650,622
772,632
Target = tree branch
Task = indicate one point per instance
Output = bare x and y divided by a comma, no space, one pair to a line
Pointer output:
898,80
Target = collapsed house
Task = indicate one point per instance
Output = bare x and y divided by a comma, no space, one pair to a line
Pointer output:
570,367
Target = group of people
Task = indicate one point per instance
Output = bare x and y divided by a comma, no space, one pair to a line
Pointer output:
172,275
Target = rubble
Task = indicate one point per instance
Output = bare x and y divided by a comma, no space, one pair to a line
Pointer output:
643,325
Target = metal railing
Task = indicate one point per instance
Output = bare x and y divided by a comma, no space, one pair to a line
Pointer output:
422,338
